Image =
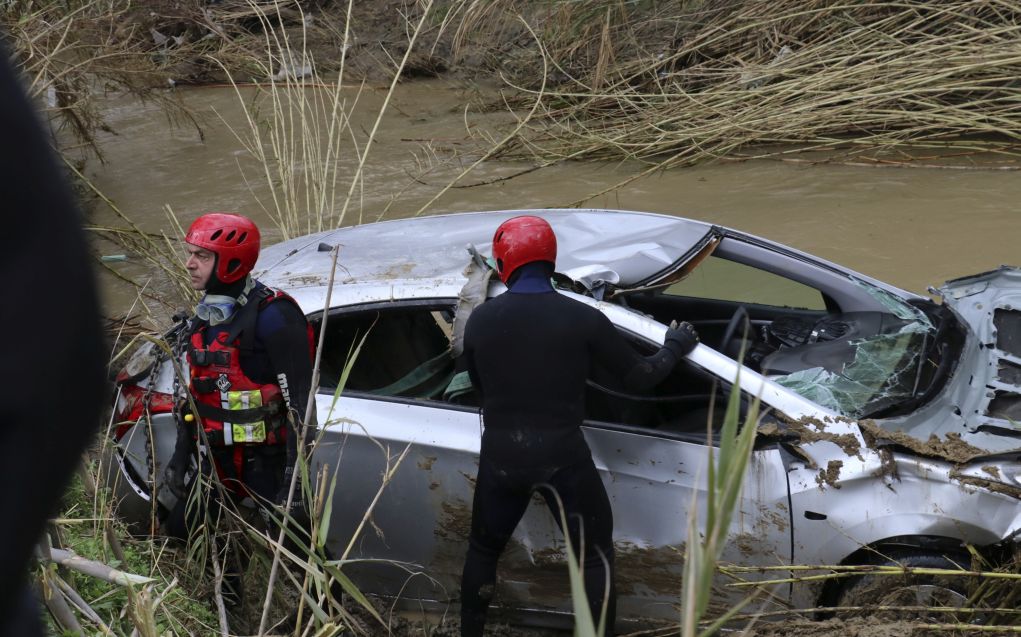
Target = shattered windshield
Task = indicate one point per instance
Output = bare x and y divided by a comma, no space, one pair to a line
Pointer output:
885,368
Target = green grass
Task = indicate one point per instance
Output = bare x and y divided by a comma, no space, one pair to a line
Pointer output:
80,526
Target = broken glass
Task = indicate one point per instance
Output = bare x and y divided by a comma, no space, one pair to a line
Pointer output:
898,307
882,373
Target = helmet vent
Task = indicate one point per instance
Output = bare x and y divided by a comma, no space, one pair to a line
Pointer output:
230,235
241,239
233,264
216,235
498,237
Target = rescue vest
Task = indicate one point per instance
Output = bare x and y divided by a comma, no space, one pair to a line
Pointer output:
234,408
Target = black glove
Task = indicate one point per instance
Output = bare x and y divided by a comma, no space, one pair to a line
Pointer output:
176,473
681,338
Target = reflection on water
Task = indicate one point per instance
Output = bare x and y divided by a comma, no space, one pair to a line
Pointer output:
909,227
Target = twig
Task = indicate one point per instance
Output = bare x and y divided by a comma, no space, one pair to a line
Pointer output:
54,600
76,599
221,609
96,569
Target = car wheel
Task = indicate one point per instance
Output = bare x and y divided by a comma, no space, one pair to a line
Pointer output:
911,596
131,507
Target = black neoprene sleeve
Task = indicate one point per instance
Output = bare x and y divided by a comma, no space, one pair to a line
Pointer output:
288,351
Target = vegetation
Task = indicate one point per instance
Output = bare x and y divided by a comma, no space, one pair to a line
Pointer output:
157,593
675,84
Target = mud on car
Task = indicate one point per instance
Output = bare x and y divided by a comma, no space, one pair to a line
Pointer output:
887,432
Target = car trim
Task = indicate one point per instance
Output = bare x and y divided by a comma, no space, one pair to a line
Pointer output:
402,400
368,306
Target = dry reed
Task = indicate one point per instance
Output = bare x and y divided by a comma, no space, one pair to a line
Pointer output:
901,82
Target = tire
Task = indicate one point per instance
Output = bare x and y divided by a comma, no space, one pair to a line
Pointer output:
131,507
882,596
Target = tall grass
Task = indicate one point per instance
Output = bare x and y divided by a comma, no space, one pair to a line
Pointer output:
298,129
675,84
724,480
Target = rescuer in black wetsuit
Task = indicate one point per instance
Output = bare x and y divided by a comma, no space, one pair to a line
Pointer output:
528,353
250,360
52,380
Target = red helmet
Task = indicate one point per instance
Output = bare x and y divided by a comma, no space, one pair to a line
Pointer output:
233,238
522,240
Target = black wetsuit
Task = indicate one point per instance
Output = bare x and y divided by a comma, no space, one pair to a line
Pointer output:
529,353
52,362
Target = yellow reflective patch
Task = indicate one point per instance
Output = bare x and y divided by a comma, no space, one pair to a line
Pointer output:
251,432
248,432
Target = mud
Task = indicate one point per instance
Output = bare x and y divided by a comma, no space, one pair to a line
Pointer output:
456,521
531,578
951,448
649,571
809,430
992,470
989,485
747,545
830,475
859,627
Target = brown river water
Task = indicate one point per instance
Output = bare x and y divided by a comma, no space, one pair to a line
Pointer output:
910,227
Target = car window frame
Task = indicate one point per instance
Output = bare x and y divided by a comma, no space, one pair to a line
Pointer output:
725,385
379,305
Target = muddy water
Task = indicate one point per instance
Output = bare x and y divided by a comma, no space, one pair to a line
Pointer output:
910,227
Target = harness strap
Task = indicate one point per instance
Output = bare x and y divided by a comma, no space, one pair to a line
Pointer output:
239,416
244,323
276,436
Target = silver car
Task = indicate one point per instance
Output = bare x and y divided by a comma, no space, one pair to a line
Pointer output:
888,430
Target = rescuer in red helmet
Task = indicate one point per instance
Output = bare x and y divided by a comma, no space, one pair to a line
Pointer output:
250,366
528,353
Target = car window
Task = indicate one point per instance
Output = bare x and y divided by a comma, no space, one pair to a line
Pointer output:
720,279
400,351
682,404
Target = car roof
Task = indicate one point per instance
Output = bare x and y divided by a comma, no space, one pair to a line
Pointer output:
632,245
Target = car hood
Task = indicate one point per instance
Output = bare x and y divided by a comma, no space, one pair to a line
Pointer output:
625,249
978,412
990,304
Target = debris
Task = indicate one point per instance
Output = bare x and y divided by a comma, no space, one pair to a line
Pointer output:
989,485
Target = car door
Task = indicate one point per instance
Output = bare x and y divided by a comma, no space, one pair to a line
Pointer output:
402,455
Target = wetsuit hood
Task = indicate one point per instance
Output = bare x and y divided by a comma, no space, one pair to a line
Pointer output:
532,278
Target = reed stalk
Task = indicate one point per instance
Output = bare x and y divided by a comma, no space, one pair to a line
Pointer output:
688,83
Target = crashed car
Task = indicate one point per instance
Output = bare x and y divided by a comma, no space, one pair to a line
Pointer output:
887,431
